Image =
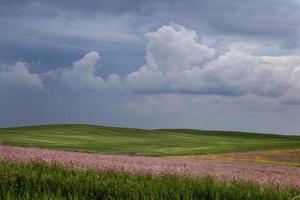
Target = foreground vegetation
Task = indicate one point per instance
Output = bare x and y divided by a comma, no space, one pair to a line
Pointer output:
41,181
110,140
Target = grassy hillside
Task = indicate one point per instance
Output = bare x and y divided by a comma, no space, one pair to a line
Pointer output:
162,142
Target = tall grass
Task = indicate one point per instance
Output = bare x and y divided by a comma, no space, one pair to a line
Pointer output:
41,181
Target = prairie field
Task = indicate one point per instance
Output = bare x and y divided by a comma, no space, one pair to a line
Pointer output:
164,142
96,162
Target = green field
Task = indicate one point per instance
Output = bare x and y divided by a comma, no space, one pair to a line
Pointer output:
163,142
39,181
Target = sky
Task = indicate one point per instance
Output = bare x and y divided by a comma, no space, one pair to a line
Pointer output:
209,64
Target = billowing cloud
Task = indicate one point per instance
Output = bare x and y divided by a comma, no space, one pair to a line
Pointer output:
17,76
177,62
82,75
170,50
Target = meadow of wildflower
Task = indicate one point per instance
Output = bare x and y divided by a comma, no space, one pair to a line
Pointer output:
81,162
263,174
110,140
40,181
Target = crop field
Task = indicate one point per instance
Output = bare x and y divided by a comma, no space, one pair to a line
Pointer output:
95,162
165,142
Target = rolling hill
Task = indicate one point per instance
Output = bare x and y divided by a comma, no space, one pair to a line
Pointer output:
162,142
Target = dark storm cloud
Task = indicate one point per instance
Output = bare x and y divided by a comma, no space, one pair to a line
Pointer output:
253,17
74,27
47,29
57,32
84,7
246,16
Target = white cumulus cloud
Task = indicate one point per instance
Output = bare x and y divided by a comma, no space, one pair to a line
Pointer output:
82,75
18,76
177,62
